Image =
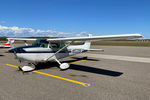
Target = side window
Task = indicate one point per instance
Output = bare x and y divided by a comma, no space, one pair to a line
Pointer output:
41,43
44,45
62,45
57,45
54,45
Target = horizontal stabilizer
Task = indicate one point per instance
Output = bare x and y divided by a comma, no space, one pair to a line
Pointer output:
98,50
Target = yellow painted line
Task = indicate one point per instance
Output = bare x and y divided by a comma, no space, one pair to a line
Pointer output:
66,79
77,61
11,65
54,76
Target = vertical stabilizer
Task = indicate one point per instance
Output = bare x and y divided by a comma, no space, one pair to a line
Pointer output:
11,42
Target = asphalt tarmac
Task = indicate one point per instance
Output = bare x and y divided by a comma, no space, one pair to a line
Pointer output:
119,73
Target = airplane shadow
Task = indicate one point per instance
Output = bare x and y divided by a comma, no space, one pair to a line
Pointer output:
46,65
84,58
80,68
95,70
1,55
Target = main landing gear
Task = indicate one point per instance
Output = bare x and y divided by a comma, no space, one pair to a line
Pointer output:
63,66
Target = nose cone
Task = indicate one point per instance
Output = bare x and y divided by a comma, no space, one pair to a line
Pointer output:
20,49
16,50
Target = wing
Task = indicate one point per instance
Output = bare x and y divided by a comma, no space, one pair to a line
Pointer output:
98,38
91,38
23,39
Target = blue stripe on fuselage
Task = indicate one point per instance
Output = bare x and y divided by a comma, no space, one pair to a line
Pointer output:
21,50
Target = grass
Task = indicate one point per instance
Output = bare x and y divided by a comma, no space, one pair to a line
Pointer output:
123,43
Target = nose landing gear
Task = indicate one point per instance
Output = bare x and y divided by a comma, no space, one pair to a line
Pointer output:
27,68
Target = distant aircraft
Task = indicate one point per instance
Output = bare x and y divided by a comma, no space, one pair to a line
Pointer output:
8,44
45,50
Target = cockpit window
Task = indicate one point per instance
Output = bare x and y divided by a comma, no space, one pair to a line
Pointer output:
41,43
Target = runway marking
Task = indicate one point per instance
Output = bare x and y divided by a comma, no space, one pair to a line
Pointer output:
123,58
54,76
77,61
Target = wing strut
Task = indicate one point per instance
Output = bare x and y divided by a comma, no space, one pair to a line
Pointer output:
63,66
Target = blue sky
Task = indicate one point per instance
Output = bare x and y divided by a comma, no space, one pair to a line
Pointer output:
99,17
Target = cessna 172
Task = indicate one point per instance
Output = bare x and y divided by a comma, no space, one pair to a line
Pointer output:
8,44
44,50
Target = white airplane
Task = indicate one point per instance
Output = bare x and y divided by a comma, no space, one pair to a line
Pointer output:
45,50
8,44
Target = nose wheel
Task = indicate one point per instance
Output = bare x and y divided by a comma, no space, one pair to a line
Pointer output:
27,68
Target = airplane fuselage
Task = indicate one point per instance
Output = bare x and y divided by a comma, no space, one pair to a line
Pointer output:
41,54
5,46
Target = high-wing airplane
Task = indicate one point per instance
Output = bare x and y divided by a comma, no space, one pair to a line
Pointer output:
44,50
8,44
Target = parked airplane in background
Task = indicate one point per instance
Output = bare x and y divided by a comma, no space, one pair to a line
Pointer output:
8,44
44,50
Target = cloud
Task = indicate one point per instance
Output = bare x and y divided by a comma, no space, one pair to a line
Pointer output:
2,22
82,34
30,32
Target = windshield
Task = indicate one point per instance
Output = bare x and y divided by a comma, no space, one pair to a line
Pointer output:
41,43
